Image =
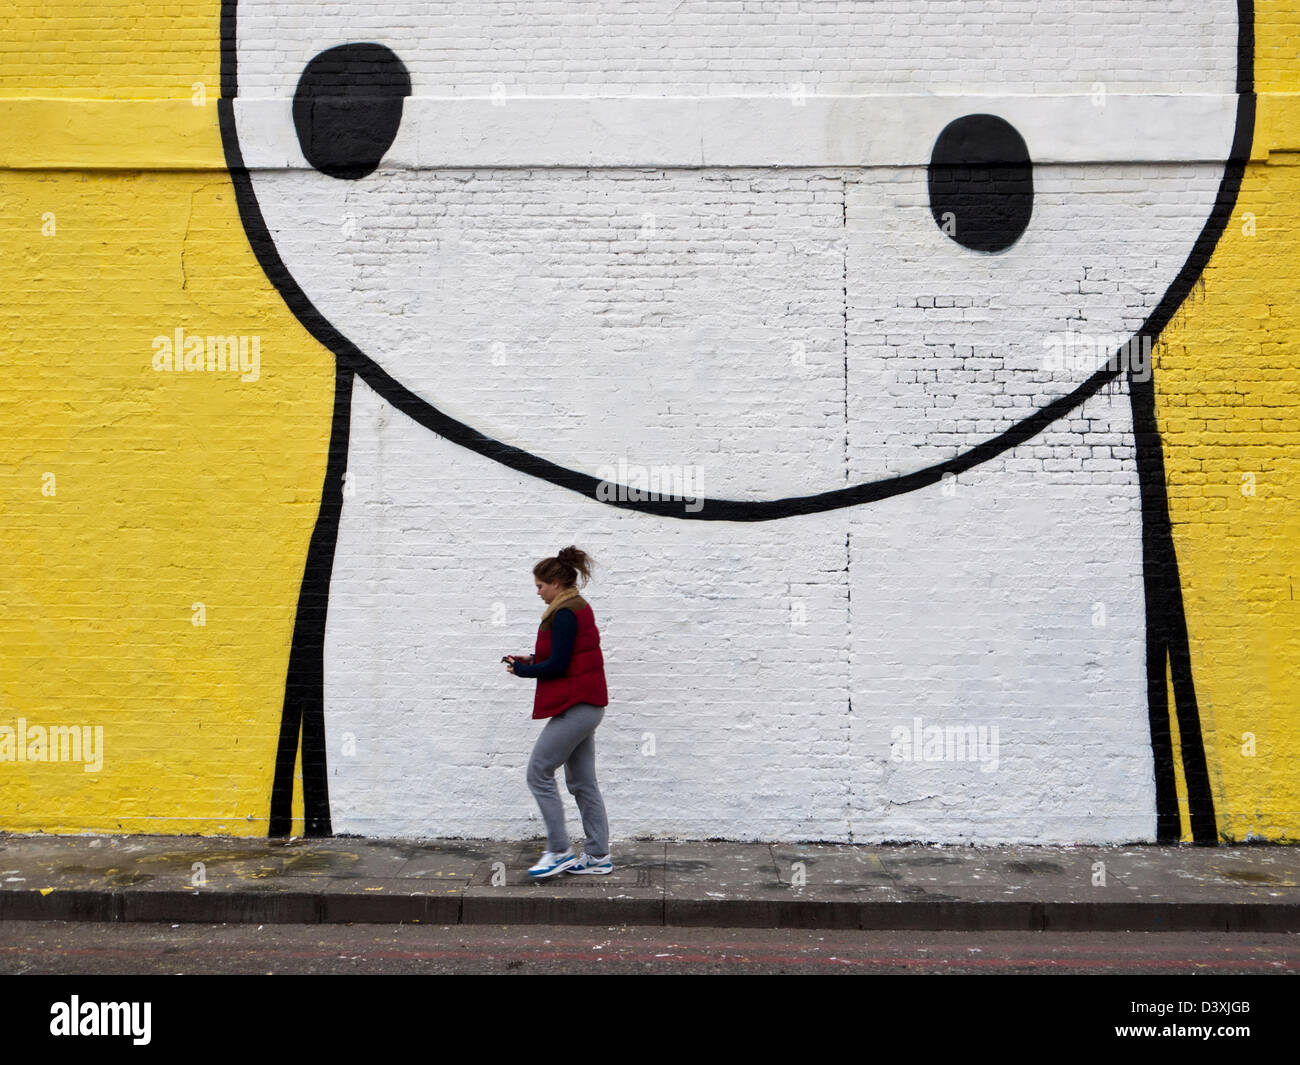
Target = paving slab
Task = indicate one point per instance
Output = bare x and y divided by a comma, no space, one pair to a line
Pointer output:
448,860
1012,874
726,885
1211,874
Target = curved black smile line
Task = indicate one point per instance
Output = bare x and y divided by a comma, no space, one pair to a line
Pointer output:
353,359
431,418
1167,654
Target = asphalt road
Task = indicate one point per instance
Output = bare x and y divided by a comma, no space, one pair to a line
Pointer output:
88,948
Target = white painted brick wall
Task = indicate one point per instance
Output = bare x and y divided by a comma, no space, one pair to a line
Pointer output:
651,314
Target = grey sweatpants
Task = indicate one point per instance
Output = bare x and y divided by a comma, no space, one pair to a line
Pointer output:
569,740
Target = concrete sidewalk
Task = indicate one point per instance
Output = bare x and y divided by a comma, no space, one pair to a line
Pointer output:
763,885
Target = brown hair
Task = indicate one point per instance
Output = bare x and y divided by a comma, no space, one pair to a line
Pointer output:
565,567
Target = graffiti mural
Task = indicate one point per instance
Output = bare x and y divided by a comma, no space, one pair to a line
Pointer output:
919,375
890,322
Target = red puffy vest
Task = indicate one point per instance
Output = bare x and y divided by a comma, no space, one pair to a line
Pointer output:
584,680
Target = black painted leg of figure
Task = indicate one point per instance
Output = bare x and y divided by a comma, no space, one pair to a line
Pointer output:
1167,648
304,690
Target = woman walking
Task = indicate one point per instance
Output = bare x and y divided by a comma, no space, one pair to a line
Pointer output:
571,695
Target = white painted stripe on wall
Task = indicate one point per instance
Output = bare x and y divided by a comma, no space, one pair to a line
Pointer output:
839,131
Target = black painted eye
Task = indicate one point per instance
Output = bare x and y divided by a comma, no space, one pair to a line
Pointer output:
348,107
981,183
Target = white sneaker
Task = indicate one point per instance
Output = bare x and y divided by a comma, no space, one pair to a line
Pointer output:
552,862
589,864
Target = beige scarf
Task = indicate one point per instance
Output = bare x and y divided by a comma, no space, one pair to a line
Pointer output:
561,598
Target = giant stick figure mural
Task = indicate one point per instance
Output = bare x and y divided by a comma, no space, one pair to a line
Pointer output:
648,244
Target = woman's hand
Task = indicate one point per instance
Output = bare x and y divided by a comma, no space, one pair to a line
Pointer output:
512,659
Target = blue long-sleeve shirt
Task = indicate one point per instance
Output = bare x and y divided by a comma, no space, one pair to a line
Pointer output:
564,633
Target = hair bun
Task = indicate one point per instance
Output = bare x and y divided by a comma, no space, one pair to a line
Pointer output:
566,566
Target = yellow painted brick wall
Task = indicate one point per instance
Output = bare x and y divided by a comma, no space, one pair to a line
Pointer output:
167,491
